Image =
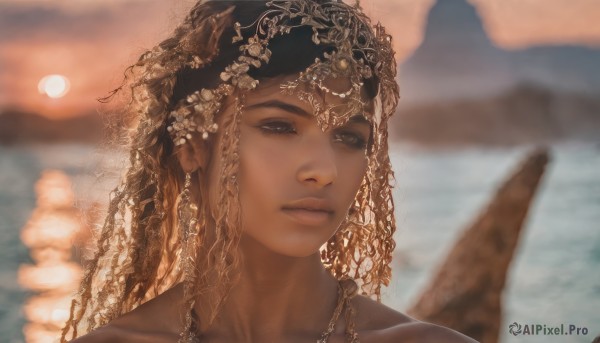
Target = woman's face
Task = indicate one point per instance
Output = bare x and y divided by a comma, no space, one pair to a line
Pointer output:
296,182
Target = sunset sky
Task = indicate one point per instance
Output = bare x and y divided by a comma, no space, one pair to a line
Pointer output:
91,42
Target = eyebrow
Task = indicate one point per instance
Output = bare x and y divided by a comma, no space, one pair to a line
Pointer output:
359,119
293,109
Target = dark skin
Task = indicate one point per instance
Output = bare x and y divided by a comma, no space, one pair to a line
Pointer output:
284,294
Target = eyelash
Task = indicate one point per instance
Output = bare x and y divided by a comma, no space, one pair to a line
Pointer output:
283,128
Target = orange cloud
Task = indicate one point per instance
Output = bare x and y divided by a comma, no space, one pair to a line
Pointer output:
521,23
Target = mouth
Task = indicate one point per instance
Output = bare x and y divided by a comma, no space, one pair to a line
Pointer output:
309,211
308,217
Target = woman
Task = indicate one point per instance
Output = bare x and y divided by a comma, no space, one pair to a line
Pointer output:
257,206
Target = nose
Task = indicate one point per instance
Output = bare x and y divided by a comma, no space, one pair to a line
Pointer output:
318,161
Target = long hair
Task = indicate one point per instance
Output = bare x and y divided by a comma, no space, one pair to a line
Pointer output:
138,247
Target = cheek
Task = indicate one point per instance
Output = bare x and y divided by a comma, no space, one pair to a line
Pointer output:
352,171
264,172
260,164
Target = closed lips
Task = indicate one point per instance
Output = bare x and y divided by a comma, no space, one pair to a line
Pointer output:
305,209
311,212
312,209
310,204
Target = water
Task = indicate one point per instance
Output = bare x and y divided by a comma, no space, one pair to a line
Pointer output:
554,278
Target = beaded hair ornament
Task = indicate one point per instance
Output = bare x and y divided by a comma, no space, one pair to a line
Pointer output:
360,53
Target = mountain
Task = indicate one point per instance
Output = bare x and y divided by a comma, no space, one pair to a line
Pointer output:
457,60
525,114
25,127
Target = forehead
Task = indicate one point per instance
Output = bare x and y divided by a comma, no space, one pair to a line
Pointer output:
270,89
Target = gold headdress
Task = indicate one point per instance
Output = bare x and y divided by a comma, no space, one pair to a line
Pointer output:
138,247
360,53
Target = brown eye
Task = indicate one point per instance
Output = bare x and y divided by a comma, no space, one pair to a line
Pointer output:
351,139
277,127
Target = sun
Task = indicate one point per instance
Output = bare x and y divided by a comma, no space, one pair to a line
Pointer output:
54,86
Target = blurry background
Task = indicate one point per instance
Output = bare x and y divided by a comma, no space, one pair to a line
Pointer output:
482,81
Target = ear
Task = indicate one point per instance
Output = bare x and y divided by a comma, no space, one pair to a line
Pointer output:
194,154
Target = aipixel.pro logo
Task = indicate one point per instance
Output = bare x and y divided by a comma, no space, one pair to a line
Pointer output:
516,329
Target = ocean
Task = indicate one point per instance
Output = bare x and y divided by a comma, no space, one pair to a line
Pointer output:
554,278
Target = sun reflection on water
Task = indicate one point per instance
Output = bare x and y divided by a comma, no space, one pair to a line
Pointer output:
50,233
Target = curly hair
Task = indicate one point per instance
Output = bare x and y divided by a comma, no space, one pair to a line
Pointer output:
139,245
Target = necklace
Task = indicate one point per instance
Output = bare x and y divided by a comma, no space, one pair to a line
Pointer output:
346,290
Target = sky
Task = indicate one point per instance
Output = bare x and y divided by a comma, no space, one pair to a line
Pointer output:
91,42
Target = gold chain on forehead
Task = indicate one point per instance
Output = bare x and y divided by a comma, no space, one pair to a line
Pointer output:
359,53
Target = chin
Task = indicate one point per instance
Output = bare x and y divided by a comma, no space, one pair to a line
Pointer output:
296,246
296,251
291,245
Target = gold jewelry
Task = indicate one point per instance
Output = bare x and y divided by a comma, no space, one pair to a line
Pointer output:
360,52
197,114
187,213
346,291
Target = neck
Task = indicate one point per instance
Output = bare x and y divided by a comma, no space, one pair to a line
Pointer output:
276,297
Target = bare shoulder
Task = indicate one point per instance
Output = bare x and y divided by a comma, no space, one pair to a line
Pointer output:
372,315
155,321
379,323
107,333
112,333
422,332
